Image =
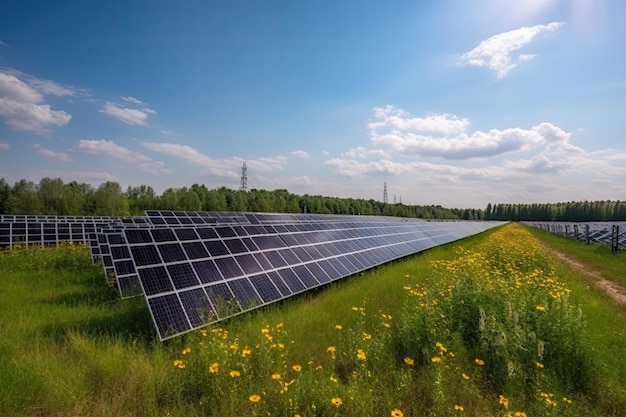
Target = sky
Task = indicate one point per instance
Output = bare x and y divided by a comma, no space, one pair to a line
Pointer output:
448,102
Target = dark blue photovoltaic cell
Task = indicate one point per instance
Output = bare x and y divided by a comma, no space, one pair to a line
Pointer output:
186,234
155,280
318,273
305,276
207,271
263,262
171,252
138,236
235,246
163,235
197,306
168,315
145,255
248,264
207,233
216,248
195,250
182,275
222,299
245,293
228,267
292,280
278,281
266,289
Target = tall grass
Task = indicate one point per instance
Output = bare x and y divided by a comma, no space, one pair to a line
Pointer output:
489,326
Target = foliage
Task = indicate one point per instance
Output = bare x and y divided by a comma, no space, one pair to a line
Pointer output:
53,197
574,211
489,326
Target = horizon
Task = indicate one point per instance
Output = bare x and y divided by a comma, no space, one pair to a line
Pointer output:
450,105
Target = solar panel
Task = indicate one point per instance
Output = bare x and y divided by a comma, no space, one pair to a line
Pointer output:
195,275
196,268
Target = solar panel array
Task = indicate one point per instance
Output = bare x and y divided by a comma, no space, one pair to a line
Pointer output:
600,232
48,230
197,268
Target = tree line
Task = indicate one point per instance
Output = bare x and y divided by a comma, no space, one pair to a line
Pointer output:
578,211
51,196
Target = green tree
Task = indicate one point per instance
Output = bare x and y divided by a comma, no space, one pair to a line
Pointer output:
110,200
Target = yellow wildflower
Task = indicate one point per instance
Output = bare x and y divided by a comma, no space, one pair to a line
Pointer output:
186,351
245,352
409,361
360,355
540,308
435,359
336,401
331,349
276,376
479,362
458,407
235,373
214,367
396,412
540,365
465,376
338,326
296,368
504,401
255,398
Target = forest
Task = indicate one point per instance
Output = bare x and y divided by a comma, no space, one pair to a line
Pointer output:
52,196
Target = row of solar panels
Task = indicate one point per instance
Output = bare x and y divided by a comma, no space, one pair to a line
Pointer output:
196,268
601,232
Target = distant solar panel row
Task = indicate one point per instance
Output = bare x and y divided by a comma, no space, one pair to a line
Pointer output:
194,276
600,232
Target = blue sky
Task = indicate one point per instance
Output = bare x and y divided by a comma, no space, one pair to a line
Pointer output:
457,103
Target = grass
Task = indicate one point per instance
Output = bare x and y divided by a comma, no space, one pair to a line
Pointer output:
489,326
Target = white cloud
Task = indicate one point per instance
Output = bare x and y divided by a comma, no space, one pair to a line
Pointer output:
110,148
138,117
22,103
391,117
154,167
52,154
495,52
219,167
133,100
4,146
181,151
301,154
403,134
356,169
363,152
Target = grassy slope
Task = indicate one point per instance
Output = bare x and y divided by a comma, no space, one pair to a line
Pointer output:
70,347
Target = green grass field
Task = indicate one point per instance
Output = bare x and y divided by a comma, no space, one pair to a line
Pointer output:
489,326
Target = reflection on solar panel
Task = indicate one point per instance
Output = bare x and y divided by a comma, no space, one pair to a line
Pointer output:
196,268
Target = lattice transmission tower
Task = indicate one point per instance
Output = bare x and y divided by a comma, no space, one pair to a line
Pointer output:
243,185
385,199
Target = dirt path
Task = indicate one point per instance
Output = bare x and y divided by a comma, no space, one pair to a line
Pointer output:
614,291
